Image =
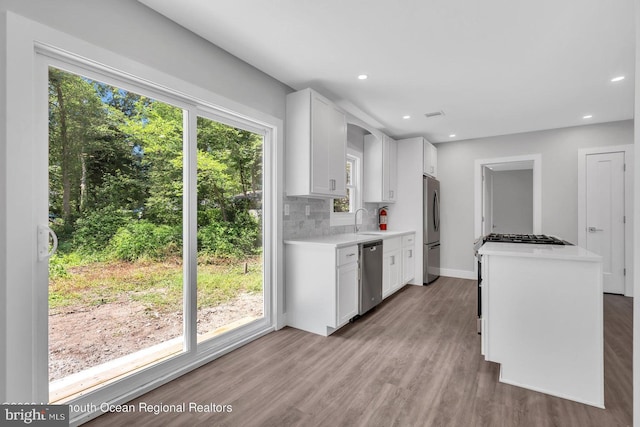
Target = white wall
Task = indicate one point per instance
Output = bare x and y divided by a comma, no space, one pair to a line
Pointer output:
636,238
4,182
558,148
513,201
133,30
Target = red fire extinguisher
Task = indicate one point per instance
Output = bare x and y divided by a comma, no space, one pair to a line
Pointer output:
382,217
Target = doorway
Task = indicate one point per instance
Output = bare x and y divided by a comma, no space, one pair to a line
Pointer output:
485,189
508,198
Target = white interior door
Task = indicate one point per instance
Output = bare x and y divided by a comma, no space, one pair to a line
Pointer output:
605,215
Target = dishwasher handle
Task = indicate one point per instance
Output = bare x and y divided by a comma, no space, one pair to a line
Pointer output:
373,246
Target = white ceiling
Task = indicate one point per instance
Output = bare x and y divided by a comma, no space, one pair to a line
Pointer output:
494,67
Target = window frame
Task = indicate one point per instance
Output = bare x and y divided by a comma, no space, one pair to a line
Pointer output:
347,218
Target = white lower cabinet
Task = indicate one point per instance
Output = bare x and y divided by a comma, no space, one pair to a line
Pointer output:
391,266
322,281
408,258
321,286
347,305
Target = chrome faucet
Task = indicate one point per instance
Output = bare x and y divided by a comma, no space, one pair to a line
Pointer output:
355,219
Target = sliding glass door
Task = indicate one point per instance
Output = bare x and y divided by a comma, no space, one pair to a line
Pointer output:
126,178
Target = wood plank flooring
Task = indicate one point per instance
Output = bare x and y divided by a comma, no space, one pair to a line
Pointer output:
414,361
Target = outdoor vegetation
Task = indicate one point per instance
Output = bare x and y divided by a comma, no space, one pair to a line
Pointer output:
116,202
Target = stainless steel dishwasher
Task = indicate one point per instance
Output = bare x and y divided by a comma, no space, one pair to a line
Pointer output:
370,275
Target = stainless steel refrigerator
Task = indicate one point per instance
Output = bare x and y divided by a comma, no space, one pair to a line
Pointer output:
431,253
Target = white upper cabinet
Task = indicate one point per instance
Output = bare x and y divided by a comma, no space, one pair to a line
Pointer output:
316,143
430,159
380,169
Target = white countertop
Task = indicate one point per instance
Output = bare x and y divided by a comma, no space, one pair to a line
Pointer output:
539,251
339,240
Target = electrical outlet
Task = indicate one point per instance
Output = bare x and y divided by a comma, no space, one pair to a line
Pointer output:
307,210
286,209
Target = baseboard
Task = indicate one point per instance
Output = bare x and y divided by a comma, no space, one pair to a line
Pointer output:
458,274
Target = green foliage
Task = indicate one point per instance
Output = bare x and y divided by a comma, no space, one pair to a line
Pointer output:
145,240
233,239
57,267
116,175
96,228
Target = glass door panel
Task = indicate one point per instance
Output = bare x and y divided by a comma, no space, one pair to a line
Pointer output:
230,228
116,204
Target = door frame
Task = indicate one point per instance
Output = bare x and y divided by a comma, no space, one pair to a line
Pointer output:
537,188
628,204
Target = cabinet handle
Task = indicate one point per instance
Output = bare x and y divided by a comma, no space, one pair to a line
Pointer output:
393,260
351,254
410,253
391,194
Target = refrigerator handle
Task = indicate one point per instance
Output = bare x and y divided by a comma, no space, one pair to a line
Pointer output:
436,210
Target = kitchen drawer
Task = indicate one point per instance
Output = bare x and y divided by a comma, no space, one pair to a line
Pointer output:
408,240
347,255
391,244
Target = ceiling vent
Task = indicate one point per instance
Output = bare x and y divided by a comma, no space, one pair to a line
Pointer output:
434,114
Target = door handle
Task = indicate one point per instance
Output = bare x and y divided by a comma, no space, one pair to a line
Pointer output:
593,229
43,242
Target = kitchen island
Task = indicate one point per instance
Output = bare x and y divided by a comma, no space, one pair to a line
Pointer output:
542,318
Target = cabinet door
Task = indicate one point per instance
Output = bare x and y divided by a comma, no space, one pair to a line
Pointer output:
434,160
390,170
391,272
408,264
373,169
430,159
396,270
321,113
386,275
337,152
347,293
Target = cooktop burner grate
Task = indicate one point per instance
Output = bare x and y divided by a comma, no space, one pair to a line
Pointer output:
541,239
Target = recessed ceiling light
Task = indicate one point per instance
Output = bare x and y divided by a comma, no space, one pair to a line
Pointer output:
363,77
406,117
617,79
453,135
588,116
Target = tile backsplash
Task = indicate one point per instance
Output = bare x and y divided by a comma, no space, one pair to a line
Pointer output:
298,225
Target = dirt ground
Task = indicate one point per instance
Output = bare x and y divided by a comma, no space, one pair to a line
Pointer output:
82,337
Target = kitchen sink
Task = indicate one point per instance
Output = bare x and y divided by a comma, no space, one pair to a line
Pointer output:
373,233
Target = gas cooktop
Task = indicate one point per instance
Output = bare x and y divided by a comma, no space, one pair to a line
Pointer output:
539,239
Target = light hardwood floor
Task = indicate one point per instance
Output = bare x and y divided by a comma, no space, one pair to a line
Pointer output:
414,361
